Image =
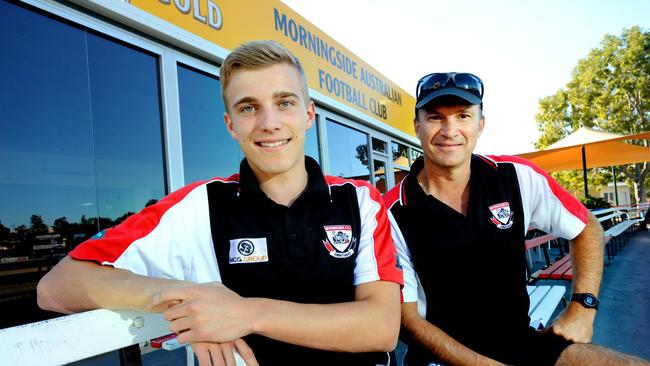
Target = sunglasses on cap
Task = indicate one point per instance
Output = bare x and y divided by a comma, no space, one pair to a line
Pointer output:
470,87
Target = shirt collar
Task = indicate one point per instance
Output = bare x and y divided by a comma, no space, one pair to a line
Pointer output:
416,193
316,183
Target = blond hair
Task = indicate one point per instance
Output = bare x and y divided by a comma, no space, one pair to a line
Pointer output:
257,55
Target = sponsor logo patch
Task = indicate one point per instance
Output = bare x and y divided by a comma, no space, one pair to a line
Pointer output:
248,250
339,241
501,215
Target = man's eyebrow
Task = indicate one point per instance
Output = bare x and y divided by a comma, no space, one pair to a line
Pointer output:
244,100
284,94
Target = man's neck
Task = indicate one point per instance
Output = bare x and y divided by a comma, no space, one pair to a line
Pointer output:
284,188
448,185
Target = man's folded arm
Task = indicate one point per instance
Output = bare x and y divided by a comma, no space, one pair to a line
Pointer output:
368,324
74,285
440,344
213,313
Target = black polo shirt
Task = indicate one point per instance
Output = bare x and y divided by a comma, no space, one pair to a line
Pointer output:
333,237
471,268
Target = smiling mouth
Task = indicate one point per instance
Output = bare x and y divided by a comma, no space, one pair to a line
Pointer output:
273,143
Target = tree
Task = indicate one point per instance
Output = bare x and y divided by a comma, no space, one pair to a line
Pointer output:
38,226
121,219
362,154
22,240
4,233
610,90
61,225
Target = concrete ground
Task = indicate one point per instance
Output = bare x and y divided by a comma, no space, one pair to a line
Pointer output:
623,320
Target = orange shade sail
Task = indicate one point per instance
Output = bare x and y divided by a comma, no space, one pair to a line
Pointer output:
601,149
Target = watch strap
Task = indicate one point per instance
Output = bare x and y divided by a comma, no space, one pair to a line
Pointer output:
588,300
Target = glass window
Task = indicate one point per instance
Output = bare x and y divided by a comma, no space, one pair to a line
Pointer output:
348,151
126,123
378,145
401,164
400,154
415,154
208,149
311,142
380,176
80,144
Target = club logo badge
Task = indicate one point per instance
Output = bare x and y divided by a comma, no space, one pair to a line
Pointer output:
501,215
339,242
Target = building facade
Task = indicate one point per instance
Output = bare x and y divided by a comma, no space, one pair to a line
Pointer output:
107,105
610,193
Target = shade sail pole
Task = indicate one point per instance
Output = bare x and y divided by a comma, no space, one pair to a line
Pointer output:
615,184
584,170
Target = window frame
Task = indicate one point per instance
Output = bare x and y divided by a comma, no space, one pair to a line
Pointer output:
324,114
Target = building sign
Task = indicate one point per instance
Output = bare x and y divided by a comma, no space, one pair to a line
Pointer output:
331,69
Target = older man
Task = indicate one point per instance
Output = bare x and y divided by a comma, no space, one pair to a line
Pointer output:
458,213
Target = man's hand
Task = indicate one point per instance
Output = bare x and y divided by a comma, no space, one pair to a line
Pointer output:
216,354
205,313
576,323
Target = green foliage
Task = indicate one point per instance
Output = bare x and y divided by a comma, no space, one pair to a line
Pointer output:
594,202
554,111
4,233
37,225
573,180
609,90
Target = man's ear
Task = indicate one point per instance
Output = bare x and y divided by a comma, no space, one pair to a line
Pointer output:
481,124
311,114
229,126
416,126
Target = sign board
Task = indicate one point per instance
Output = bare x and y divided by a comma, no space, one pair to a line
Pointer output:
331,69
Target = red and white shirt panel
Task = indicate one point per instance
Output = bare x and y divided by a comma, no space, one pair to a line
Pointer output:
376,259
547,206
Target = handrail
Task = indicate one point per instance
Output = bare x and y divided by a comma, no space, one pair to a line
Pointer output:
535,242
645,205
598,212
75,337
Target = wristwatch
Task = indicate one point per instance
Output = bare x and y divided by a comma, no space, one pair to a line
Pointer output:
589,301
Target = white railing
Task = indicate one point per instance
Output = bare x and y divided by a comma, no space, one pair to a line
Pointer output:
640,208
70,338
77,337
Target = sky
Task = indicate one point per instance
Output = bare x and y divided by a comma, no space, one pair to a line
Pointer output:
523,50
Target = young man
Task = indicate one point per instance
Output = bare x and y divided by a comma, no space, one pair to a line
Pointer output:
457,214
299,264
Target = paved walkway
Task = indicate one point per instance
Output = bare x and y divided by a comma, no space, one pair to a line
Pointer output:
623,320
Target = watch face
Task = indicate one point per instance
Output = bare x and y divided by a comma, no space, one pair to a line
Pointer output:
587,300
